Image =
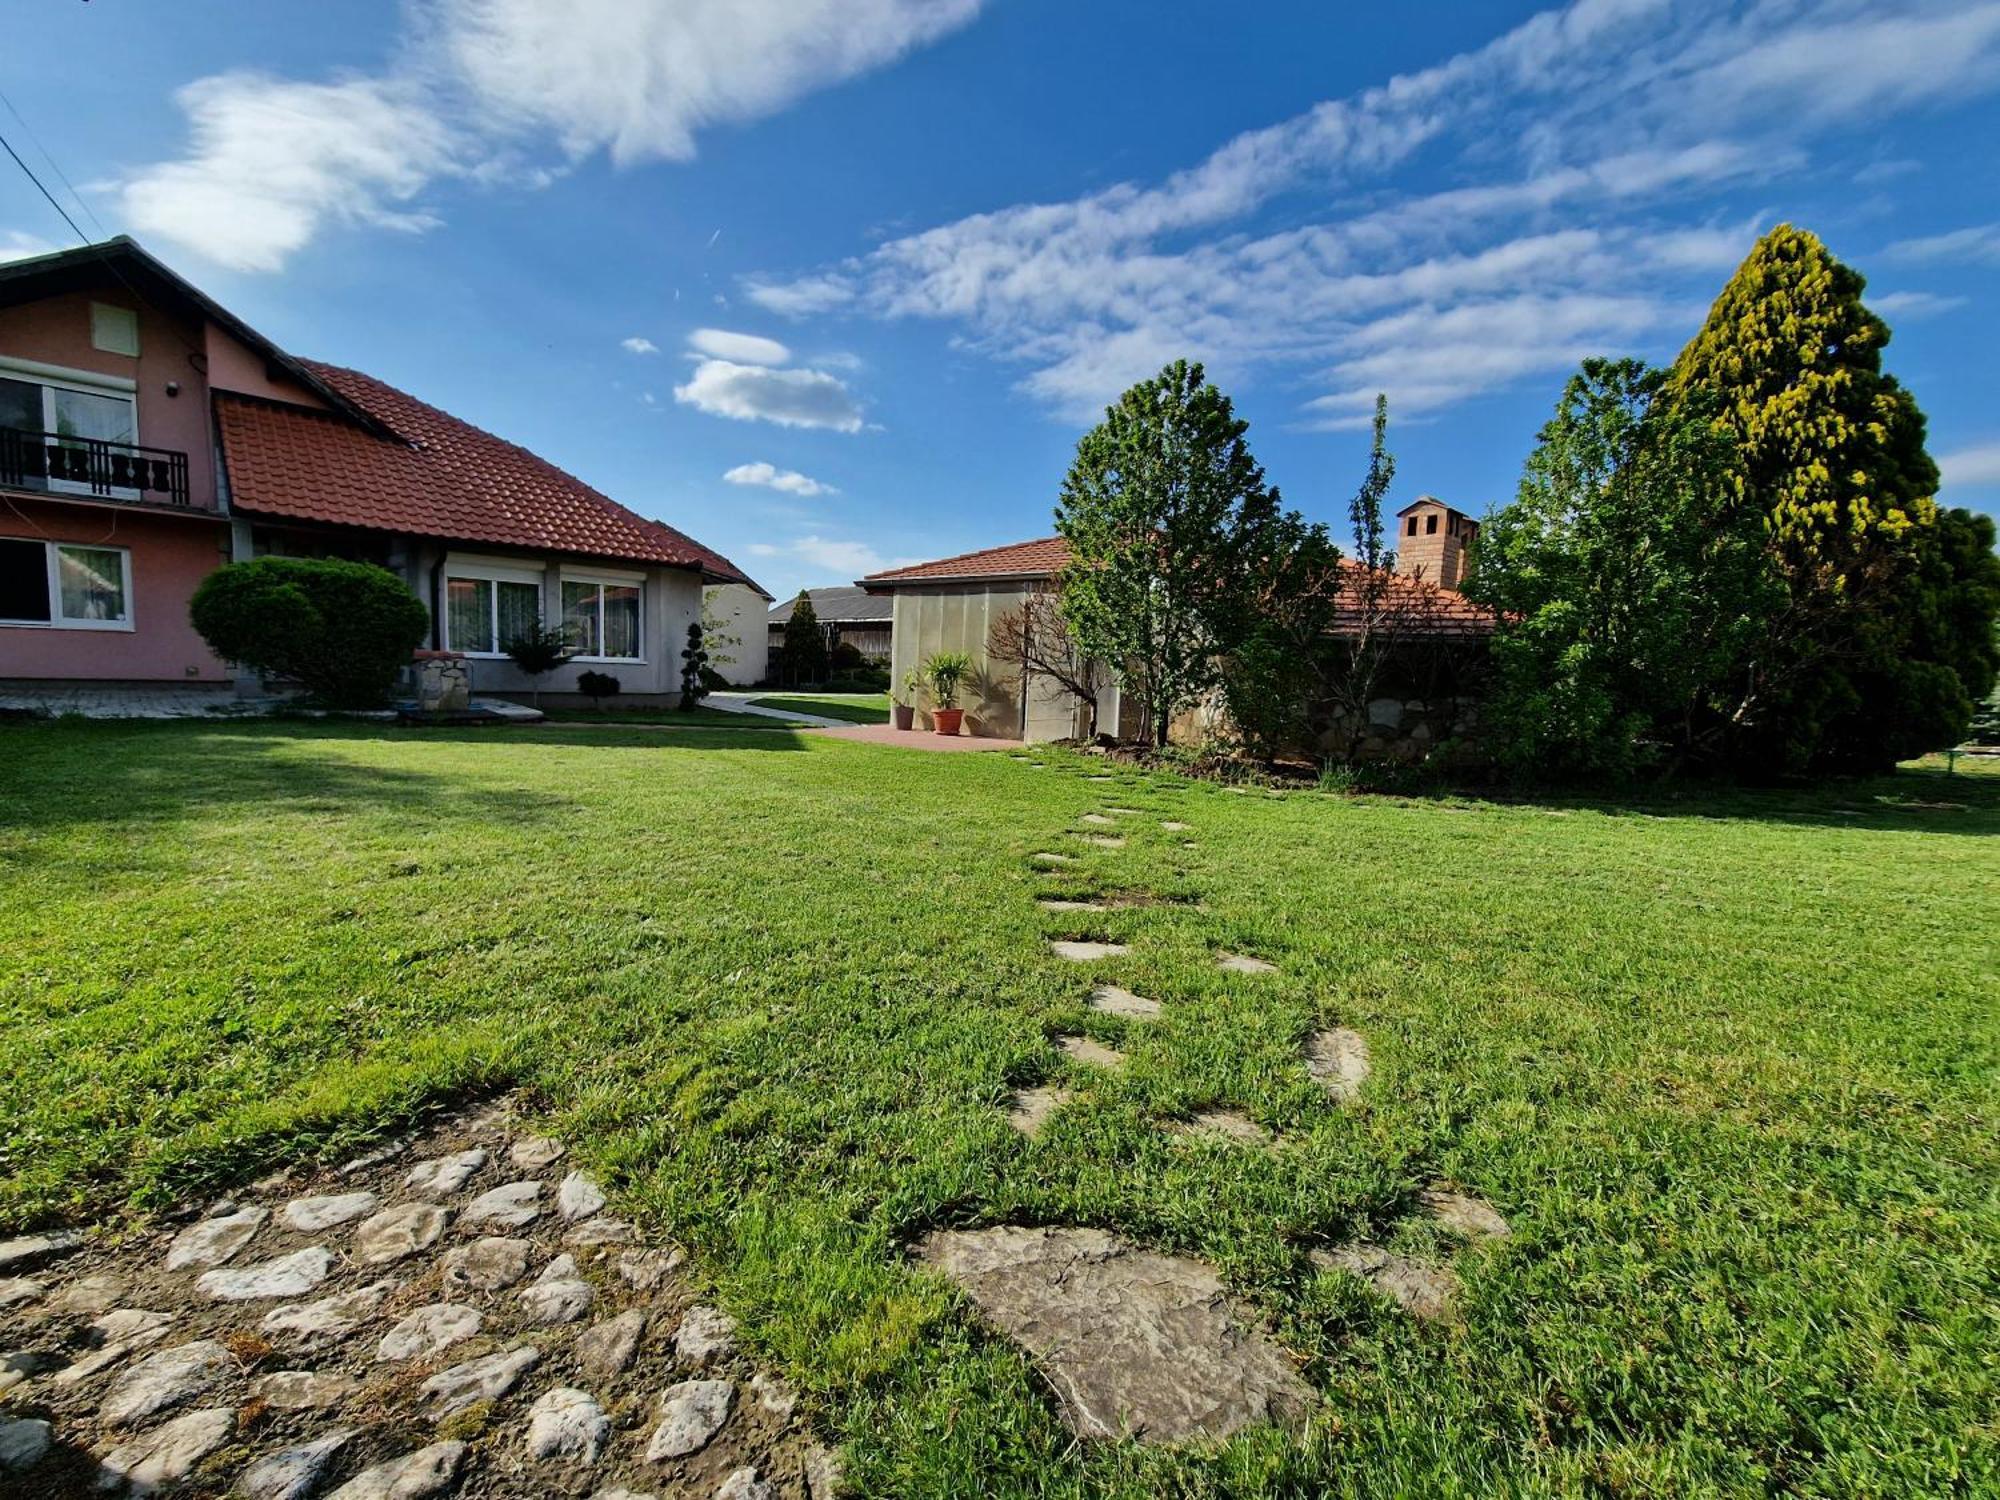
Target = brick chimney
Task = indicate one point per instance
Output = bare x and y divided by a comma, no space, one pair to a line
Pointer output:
1431,539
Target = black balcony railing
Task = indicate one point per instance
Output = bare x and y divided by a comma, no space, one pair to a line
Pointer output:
92,466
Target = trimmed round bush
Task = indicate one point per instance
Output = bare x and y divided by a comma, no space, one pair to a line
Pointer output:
340,629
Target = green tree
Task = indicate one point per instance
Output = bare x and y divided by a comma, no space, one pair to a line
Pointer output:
1631,580
538,650
1164,510
1830,451
805,643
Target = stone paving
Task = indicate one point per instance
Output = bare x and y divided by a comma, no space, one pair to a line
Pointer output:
461,1314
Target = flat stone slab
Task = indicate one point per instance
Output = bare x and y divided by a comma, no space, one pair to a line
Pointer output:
1086,952
1029,1109
1086,1050
1243,963
533,1152
566,1423
511,1206
293,1473
23,1442
558,1295
286,1276
213,1241
170,1451
706,1334
606,1348
26,1249
311,1215
487,1378
304,1390
1097,818
15,1290
691,1414
744,1484
330,1317
1337,1059
644,1270
1472,1217
429,1330
1046,857
414,1476
1172,827
490,1265
578,1197
1104,840
398,1232
1136,1344
160,1382
1056,903
442,1176
1423,1290
1111,1000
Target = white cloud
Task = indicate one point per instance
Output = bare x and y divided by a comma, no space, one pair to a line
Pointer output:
271,162
1978,465
485,86
1587,132
18,244
770,477
638,345
640,78
743,348
1976,243
1913,304
753,393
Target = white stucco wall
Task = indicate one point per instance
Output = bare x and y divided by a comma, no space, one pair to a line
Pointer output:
740,612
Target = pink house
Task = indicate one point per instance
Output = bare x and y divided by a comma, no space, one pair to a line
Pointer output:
148,436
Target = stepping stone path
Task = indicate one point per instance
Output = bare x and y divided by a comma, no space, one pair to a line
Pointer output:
1243,963
1425,1291
1094,1053
1134,1343
1086,952
525,1348
1172,827
1338,1062
1048,858
1103,840
1472,1217
1227,1124
1111,1000
1029,1109
1098,818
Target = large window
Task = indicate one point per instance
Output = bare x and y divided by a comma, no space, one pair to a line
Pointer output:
483,616
602,618
70,408
65,585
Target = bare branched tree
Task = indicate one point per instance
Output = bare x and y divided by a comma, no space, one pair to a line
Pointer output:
1036,641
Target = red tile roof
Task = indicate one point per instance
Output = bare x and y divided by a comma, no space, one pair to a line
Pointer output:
1446,611
1037,559
447,479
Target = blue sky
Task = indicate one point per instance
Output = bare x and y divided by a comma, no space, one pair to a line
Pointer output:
837,283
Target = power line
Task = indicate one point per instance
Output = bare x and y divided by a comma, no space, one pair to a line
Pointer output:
54,165
74,229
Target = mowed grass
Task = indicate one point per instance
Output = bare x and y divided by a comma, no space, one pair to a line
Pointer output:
1727,1066
856,708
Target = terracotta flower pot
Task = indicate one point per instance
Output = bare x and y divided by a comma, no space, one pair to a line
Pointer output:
947,720
905,716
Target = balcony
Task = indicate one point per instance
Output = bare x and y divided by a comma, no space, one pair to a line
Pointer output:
94,467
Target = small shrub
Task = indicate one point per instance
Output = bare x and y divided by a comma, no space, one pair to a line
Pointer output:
944,671
711,680
597,686
694,661
845,657
538,651
340,629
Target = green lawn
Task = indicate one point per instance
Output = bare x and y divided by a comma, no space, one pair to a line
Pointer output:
1728,1068
856,708
684,718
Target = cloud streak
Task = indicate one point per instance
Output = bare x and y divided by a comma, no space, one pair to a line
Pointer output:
1597,133
785,481
487,88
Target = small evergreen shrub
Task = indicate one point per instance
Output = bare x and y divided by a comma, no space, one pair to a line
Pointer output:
340,629
597,686
694,662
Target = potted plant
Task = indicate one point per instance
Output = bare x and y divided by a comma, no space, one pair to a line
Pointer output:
943,673
905,712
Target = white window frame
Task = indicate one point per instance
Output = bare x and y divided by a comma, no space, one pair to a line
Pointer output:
57,620
84,382
601,576
495,573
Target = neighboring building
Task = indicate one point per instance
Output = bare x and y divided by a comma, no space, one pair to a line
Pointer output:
736,612
952,605
850,616
147,435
